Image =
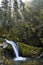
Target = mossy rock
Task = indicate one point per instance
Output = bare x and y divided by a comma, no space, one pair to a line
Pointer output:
29,51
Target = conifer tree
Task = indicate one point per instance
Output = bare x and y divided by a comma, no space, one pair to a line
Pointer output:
4,8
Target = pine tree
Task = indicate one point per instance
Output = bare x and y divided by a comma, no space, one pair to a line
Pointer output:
9,22
15,6
4,8
9,12
1,16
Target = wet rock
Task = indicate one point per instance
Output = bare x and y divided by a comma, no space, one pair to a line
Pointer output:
9,53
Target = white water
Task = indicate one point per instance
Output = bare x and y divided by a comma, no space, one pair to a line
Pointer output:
15,48
40,55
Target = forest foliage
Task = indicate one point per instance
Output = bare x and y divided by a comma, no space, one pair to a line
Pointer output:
24,23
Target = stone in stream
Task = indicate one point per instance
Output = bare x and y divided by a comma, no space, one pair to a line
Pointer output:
4,45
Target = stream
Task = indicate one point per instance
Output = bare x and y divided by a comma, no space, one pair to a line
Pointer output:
29,61
19,60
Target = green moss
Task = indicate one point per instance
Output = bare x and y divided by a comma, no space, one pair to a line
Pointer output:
29,51
1,40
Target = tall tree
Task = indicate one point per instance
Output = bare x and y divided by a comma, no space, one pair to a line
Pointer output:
4,8
9,23
1,16
15,6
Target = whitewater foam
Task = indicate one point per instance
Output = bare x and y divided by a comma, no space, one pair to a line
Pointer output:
15,48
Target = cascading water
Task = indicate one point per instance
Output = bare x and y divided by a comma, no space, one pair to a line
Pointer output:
15,48
40,55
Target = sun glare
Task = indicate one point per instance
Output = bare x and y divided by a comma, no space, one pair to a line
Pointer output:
26,0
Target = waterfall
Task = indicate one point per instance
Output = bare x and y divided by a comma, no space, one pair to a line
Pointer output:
15,48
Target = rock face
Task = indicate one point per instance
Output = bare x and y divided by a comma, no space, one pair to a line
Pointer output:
9,53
